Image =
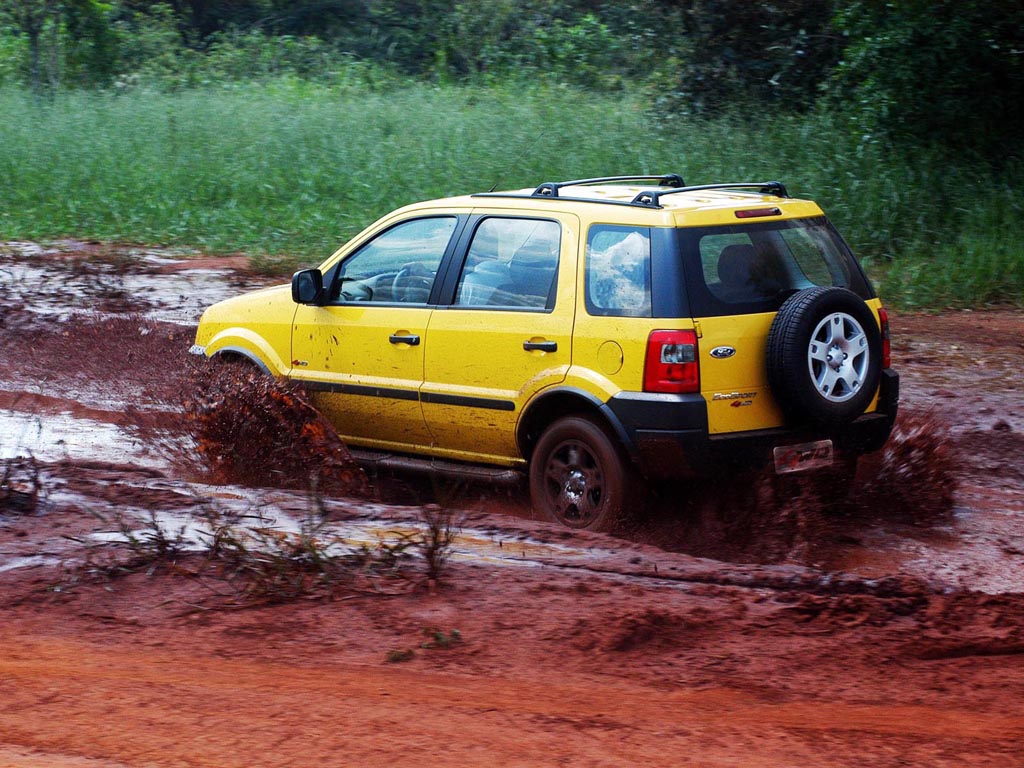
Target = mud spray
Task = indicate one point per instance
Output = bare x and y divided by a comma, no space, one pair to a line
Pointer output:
229,423
255,430
215,421
765,518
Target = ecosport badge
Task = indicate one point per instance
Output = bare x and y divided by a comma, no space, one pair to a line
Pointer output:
721,353
734,395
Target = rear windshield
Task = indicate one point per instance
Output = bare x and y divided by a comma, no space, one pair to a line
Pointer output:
755,267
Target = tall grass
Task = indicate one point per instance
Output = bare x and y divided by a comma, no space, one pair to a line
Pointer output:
290,170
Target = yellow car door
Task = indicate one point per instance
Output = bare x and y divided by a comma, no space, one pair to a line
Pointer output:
361,352
502,334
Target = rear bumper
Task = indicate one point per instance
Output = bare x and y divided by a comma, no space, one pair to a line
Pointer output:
667,435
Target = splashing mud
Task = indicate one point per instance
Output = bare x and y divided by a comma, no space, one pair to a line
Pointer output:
229,422
912,478
769,518
255,430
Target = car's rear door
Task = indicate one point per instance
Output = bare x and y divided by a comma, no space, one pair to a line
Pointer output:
741,274
502,333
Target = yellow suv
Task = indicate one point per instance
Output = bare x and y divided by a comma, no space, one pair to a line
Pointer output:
593,333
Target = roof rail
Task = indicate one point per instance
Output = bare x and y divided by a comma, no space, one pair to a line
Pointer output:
652,198
550,188
648,198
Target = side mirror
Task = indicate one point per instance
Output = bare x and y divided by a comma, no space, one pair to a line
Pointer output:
307,286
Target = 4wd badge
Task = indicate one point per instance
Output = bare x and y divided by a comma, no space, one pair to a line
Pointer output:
722,352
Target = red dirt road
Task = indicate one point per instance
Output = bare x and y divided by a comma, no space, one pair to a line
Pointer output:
892,641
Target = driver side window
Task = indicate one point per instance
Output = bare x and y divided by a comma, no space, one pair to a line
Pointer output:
397,266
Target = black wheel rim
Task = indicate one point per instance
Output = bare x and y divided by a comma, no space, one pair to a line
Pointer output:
574,484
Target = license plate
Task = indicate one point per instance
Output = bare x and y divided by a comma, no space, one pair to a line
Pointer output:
797,458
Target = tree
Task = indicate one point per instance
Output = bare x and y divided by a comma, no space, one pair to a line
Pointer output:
84,23
736,52
943,71
30,17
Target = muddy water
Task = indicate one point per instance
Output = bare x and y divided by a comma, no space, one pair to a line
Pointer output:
61,407
61,436
72,278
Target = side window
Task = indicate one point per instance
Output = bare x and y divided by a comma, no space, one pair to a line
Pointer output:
397,266
618,271
510,263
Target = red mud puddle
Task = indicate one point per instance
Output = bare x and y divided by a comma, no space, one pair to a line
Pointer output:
963,365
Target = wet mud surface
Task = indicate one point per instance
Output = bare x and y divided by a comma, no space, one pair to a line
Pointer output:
883,629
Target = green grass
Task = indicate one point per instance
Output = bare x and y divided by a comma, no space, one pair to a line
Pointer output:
290,170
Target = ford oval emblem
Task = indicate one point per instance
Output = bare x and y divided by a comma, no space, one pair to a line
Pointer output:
721,353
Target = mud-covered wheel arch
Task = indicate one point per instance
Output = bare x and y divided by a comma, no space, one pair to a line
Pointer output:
242,358
824,356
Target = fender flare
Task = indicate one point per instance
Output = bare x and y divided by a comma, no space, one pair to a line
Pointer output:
553,398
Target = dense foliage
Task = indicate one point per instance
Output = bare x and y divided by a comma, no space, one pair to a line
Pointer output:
948,72
943,72
268,124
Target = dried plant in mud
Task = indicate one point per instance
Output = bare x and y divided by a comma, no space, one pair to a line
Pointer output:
249,559
435,545
20,485
153,542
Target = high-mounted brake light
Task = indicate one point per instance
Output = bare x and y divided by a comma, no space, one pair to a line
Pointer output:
883,319
672,365
753,213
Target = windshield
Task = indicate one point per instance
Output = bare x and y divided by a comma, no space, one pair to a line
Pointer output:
755,267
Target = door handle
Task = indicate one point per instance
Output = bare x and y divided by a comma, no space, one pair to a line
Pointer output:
540,346
411,339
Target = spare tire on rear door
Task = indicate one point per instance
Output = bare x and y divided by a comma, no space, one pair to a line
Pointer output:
824,356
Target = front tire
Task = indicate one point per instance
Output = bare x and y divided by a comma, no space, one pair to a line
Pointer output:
579,476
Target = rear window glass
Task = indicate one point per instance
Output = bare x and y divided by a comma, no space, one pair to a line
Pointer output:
756,267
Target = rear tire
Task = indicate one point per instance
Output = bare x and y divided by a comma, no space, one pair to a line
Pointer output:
579,476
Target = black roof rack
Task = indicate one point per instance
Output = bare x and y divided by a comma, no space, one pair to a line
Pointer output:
653,197
550,188
648,198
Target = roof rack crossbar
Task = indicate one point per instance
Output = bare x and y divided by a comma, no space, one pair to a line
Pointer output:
595,200
652,198
550,188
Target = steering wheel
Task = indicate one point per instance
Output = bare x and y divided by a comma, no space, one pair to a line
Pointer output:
412,284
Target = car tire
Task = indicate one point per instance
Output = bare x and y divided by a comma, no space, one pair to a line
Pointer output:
824,356
579,476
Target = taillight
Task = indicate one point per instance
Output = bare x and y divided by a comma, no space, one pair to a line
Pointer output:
671,364
883,319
